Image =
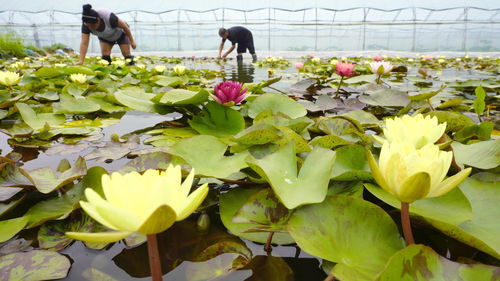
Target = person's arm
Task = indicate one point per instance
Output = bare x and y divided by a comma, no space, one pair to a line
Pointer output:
125,28
220,49
84,45
229,51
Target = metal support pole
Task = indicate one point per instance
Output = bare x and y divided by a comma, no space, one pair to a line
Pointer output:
269,30
365,13
178,30
316,31
466,19
414,41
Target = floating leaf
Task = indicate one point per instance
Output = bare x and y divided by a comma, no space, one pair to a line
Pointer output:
154,160
357,235
206,154
46,181
454,120
276,103
479,104
184,97
33,266
231,202
351,164
482,155
218,120
48,72
295,188
9,228
69,104
418,262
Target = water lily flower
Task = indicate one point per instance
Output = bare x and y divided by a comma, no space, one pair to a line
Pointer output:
298,65
9,78
458,59
410,60
60,64
149,203
140,65
441,60
344,69
104,62
411,174
179,69
18,65
416,131
480,58
160,68
381,67
315,60
333,61
118,62
229,93
427,57
78,78
377,58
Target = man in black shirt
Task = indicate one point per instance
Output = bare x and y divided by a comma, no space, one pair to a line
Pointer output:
109,29
237,35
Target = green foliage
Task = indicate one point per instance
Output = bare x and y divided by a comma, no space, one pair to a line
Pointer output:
11,46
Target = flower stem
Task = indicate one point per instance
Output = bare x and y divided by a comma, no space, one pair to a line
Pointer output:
338,88
268,247
378,79
405,221
330,278
154,258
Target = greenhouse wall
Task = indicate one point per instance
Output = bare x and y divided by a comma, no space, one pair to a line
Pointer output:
291,27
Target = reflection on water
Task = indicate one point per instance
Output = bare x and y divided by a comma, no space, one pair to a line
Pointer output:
242,72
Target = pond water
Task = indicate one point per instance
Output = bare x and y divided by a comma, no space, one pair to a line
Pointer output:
180,263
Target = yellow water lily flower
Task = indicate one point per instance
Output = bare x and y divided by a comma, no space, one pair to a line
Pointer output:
18,65
160,68
9,78
179,69
333,62
411,174
118,62
417,131
104,62
316,60
149,203
78,78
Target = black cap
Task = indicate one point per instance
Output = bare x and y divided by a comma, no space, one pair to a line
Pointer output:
89,15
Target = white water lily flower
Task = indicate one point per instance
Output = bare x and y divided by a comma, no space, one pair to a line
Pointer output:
333,62
104,62
149,203
118,62
411,174
9,78
78,78
381,67
60,64
316,60
417,131
160,68
179,69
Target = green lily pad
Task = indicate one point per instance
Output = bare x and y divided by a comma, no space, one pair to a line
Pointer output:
269,268
426,96
385,97
421,263
48,72
362,117
294,188
112,151
479,104
454,120
168,81
75,89
106,105
136,98
71,105
480,132
218,120
351,164
276,103
46,181
11,175
231,202
482,155
9,228
264,211
183,97
260,133
329,141
33,266
206,154
8,192
75,69
154,160
357,235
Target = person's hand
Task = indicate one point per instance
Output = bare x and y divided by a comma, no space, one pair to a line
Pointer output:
224,56
133,45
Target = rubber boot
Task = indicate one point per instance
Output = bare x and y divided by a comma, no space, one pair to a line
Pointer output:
107,58
239,58
131,58
254,58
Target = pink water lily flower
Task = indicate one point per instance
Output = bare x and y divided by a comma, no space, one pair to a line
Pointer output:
377,58
229,93
298,65
344,69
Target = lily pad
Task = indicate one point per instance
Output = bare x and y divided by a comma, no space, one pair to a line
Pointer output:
264,211
454,120
385,97
357,235
33,266
183,97
46,181
136,98
206,154
218,120
295,188
9,228
419,263
154,160
482,155
69,104
231,202
351,164
276,103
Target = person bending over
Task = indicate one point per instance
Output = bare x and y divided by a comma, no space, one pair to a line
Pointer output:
237,35
109,29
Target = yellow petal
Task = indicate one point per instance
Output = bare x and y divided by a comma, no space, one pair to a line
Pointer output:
450,183
377,175
415,187
192,202
98,237
161,219
91,211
